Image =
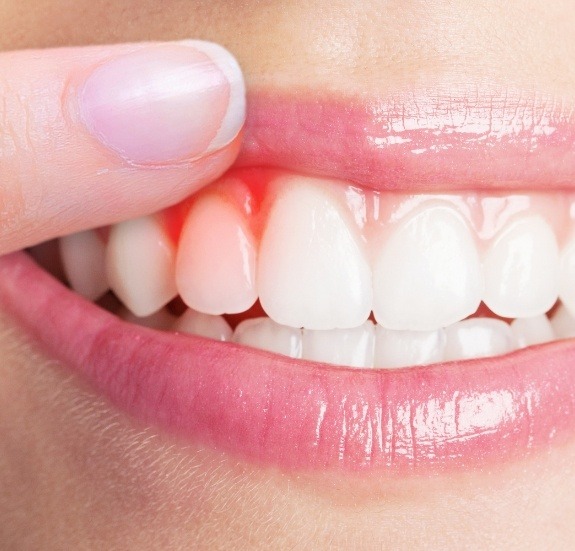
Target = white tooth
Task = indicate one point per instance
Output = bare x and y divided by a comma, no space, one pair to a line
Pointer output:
140,262
428,274
407,348
266,334
348,347
563,323
312,271
521,269
567,276
531,331
203,325
216,264
83,258
477,338
161,320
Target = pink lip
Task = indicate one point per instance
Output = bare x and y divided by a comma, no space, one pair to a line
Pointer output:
444,140
302,415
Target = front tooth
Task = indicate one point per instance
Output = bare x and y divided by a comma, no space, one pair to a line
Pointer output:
83,258
563,323
350,347
312,271
531,331
203,325
478,338
140,262
567,276
266,334
216,265
427,275
407,348
521,269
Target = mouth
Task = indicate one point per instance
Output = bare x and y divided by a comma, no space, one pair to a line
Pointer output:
375,286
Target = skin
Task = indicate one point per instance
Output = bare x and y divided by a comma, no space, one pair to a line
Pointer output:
77,474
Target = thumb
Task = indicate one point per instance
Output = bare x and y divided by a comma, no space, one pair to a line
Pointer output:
90,136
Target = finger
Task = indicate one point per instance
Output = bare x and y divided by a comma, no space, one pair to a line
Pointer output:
90,136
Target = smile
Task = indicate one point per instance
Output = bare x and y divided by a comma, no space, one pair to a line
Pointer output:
374,285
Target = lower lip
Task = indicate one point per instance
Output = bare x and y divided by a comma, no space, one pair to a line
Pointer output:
300,415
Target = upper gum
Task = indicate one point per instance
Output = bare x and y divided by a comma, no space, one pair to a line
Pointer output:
486,212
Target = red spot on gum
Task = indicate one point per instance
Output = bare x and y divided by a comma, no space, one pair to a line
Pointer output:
246,188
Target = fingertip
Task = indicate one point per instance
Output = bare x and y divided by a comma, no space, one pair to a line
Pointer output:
235,116
165,103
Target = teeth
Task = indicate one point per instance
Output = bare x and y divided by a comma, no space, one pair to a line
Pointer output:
140,265
349,347
407,348
216,259
521,270
203,325
478,338
563,323
567,276
83,258
427,275
161,320
312,271
531,331
322,256
265,334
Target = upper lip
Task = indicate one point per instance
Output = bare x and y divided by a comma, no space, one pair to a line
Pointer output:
309,415
466,138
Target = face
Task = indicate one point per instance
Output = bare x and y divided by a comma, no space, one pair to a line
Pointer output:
485,91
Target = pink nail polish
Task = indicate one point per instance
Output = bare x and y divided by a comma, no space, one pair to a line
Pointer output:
165,103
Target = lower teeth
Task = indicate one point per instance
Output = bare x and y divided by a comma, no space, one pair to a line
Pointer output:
370,345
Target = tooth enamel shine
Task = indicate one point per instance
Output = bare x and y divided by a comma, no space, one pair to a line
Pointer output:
478,338
266,334
522,269
427,274
309,255
216,263
140,263
346,347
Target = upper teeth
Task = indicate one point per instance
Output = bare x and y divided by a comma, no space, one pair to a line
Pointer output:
140,265
312,269
322,256
428,274
220,254
521,269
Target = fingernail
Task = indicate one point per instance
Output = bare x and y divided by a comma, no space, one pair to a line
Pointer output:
165,103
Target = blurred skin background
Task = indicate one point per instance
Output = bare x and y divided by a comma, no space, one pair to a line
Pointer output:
76,473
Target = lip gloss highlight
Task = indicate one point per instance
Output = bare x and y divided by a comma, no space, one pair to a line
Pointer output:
467,138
